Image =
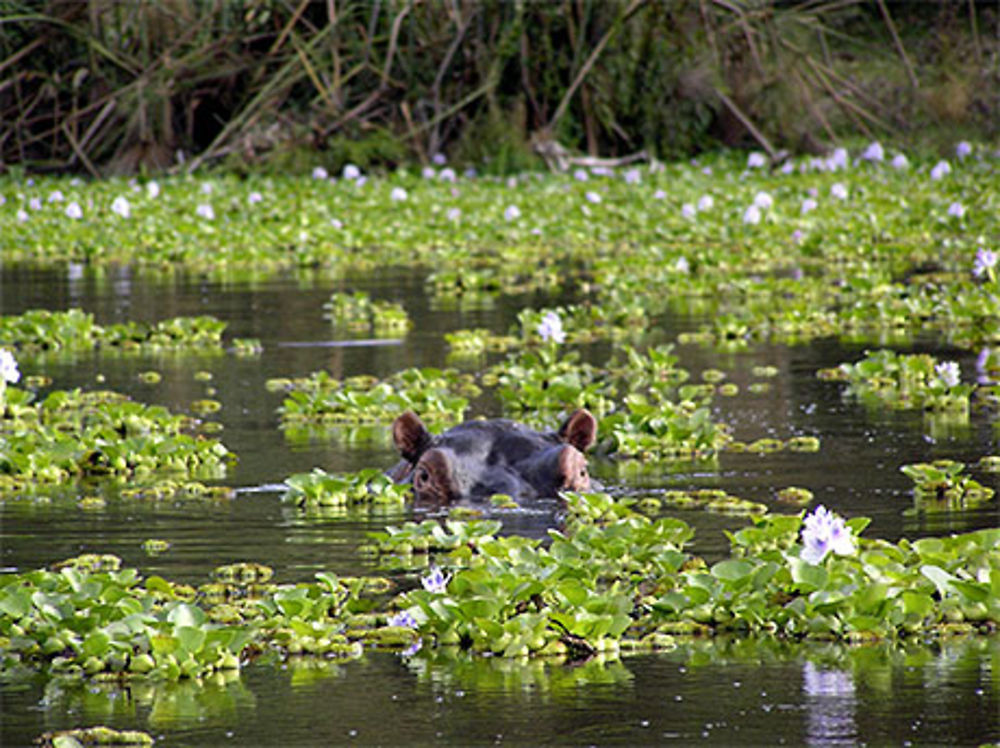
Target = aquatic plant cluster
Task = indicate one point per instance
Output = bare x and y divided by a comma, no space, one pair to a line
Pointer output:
867,248
612,580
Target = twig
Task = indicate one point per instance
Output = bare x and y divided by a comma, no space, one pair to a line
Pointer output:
585,68
899,44
78,151
749,125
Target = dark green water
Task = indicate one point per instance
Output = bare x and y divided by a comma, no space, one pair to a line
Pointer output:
749,692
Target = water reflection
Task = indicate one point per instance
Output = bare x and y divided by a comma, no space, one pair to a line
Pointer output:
830,704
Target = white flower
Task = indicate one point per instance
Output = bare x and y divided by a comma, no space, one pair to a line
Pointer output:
660,195
839,190
763,200
453,214
437,581
120,206
581,175
822,532
206,188
787,168
874,152
320,173
254,197
35,203
512,213
949,372
838,160
756,160
752,215
153,189
56,196
336,223
447,175
632,176
398,194
511,183
900,162
941,169
688,210
22,215
8,367
351,172
428,172
550,328
706,202
985,262
809,205
439,159
963,149
682,265
73,210
592,197
956,210
707,171
204,210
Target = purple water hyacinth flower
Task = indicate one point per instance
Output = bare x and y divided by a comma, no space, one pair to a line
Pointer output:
320,172
439,159
447,174
900,162
592,197
436,581
874,152
752,215
756,160
660,195
254,197
74,211
56,196
581,175
838,160
205,211
822,532
956,210
8,368
941,169
403,619
949,372
22,215
632,176
121,207
763,200
35,203
809,205
428,172
706,202
453,214
963,148
688,210
153,189
839,190
985,262
351,172
413,648
551,328
398,194
512,213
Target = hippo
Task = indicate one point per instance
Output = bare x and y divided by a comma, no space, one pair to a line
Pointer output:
477,459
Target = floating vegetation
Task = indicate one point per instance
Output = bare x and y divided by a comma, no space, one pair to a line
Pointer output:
319,488
905,381
478,341
73,434
94,736
437,394
795,495
42,330
940,484
359,313
710,499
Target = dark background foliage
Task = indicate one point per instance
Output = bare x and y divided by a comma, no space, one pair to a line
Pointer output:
119,86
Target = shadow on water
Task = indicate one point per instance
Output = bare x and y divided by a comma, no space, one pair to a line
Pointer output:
716,692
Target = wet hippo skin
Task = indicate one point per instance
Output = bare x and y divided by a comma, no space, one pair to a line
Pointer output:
476,459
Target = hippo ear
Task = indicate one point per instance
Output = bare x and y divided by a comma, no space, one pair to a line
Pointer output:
580,430
410,436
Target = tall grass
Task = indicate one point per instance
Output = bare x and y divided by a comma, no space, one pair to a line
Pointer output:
115,86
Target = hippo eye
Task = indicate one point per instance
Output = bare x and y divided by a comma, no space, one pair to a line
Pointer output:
422,475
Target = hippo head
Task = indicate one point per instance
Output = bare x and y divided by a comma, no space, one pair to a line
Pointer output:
476,459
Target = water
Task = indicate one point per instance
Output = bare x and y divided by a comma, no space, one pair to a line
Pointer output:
720,692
